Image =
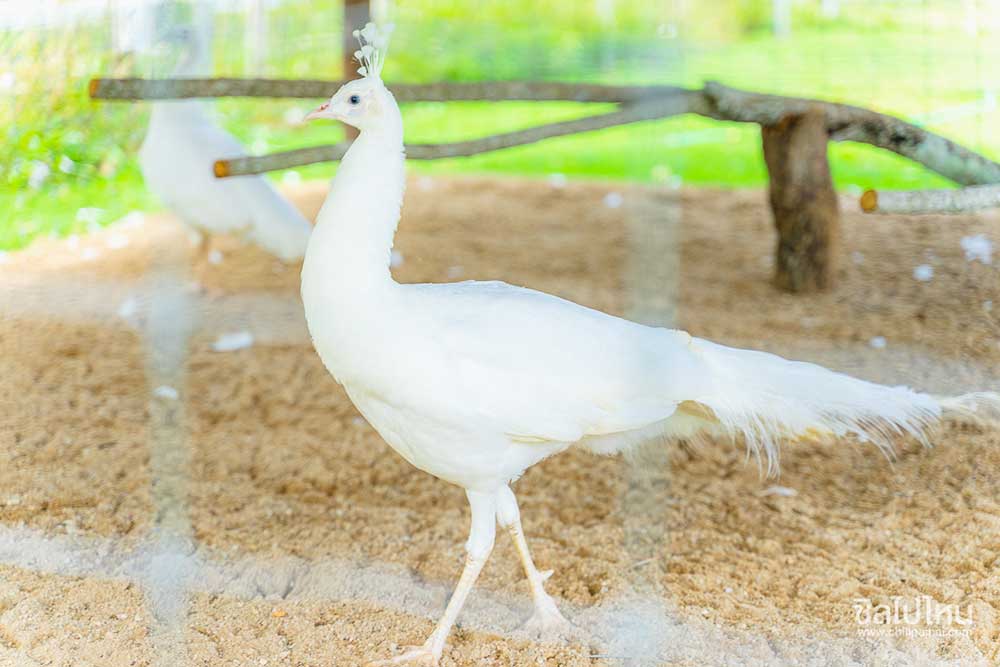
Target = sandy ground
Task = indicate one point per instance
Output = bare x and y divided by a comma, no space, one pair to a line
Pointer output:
698,559
73,454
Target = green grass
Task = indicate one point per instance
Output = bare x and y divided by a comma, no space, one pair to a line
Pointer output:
894,61
57,210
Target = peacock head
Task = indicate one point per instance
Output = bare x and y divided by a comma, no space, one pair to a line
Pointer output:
364,103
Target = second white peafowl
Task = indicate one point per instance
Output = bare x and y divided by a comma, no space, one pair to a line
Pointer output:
476,381
177,156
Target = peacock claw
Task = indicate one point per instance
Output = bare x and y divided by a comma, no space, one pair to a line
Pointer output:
423,656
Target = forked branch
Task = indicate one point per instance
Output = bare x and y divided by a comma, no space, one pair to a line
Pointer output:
850,123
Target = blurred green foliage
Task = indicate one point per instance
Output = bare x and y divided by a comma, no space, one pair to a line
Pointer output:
57,143
64,152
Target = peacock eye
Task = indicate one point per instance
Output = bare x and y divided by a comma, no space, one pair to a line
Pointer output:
354,99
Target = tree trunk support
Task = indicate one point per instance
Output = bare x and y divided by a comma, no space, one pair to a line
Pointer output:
803,201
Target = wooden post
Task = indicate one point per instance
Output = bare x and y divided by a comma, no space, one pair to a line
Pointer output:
255,40
356,14
803,201
781,18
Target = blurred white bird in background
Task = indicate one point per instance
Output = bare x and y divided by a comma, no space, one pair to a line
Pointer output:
177,156
476,381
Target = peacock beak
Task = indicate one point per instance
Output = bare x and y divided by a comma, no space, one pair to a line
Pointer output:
322,111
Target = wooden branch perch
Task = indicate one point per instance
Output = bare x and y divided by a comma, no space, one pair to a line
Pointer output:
850,123
648,110
795,131
843,122
169,89
963,200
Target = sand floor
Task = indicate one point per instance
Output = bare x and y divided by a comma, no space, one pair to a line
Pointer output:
318,545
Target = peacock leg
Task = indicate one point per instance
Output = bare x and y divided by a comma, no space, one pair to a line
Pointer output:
202,247
546,621
482,534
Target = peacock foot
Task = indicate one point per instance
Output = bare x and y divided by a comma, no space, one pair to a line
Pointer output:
548,623
424,656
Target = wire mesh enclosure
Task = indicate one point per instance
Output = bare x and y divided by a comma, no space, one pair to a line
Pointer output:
182,482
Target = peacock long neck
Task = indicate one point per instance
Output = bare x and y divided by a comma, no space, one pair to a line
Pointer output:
347,262
190,112
196,60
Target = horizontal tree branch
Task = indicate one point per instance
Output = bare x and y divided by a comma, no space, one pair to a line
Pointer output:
850,123
167,89
973,198
655,108
844,122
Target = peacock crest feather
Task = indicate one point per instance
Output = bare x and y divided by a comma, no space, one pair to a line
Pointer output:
374,42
